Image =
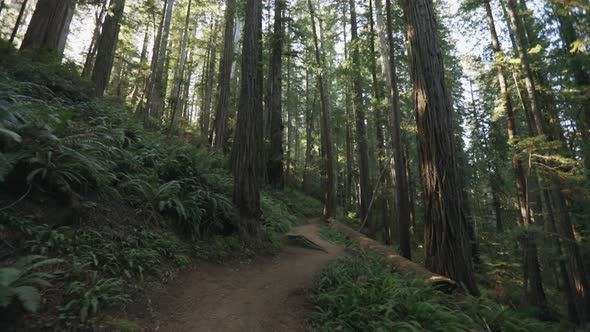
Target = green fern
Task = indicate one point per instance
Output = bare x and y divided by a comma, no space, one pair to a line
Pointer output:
22,282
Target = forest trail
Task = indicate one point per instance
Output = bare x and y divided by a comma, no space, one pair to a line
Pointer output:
263,295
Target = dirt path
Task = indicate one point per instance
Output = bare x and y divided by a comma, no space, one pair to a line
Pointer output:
260,296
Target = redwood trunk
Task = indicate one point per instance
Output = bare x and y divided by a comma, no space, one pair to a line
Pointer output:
248,127
224,85
176,104
107,45
274,164
403,203
446,239
206,114
330,185
361,135
49,26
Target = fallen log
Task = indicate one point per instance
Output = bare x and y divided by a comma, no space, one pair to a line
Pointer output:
397,262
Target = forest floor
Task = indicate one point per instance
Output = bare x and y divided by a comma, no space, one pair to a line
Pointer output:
263,294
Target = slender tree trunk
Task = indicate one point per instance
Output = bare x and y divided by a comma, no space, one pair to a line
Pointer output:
411,191
155,99
378,95
140,80
147,121
289,162
206,113
91,53
275,158
186,88
49,26
330,194
19,18
224,85
107,45
348,186
357,105
248,126
402,201
533,285
446,238
581,78
574,264
309,116
175,104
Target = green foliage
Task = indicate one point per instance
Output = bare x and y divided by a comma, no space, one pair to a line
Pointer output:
72,146
88,297
361,294
56,141
21,282
329,233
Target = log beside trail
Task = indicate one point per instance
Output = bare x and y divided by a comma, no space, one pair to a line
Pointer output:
397,262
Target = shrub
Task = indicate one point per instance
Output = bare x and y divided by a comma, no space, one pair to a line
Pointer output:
21,282
362,294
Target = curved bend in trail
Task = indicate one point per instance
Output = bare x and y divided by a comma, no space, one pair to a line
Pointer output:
261,296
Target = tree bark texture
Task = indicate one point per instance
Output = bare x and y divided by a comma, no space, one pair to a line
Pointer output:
361,131
446,239
330,185
206,112
275,157
248,127
224,83
49,26
175,104
106,47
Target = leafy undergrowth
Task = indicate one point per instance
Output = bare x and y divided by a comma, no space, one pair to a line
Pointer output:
363,294
329,233
92,205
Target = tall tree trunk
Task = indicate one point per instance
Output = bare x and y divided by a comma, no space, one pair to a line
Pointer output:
580,75
206,113
446,239
107,45
290,162
101,11
378,95
186,88
411,191
309,116
19,18
49,26
533,286
349,179
140,80
155,98
357,105
224,85
275,158
402,201
330,187
574,264
248,126
178,77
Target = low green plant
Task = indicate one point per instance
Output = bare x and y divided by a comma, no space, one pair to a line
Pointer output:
329,233
363,294
87,298
22,281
